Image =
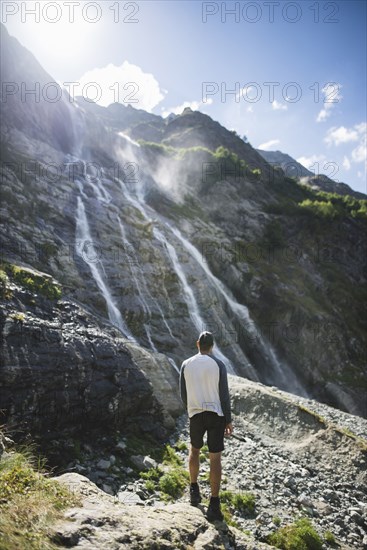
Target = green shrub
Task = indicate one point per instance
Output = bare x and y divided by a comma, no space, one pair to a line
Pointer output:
181,446
153,474
243,502
299,535
325,209
150,485
276,520
172,483
329,537
170,457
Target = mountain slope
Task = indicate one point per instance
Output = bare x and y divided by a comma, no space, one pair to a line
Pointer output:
195,230
294,169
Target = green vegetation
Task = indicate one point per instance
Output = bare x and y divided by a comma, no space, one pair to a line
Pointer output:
170,457
18,317
242,502
297,199
178,153
181,446
329,537
300,535
173,483
276,520
150,485
161,148
171,478
5,292
29,502
35,282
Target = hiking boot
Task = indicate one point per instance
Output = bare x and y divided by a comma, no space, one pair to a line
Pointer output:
195,497
214,512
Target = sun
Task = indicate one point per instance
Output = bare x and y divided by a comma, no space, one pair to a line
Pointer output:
58,30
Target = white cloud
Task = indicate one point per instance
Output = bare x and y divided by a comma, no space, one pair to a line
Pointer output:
309,162
346,163
268,144
332,97
277,106
127,84
194,105
336,136
359,154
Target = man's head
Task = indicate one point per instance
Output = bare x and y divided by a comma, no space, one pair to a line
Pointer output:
205,342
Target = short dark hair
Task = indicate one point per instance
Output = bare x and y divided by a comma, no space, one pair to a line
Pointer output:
206,340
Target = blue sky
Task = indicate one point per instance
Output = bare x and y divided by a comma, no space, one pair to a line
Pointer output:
310,54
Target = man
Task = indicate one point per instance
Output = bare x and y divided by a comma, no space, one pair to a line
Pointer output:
204,391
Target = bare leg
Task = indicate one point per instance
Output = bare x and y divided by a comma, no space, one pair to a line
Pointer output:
194,464
215,472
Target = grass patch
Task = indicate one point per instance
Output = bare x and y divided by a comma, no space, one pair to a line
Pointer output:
30,503
181,446
150,485
300,535
171,479
170,457
173,483
329,537
242,502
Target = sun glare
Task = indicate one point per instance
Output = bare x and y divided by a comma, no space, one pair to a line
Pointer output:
62,33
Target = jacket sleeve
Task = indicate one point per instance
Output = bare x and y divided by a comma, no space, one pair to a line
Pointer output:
183,391
224,397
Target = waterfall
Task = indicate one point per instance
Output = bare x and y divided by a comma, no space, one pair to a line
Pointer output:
85,248
192,304
173,364
284,374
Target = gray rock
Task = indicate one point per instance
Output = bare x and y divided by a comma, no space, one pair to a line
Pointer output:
143,462
103,464
129,497
121,446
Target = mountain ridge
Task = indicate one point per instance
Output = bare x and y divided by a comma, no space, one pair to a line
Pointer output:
294,169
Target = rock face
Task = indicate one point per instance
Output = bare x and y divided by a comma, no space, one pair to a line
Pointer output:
65,375
167,243
103,522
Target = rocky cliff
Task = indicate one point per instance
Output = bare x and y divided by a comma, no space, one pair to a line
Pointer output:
68,377
188,229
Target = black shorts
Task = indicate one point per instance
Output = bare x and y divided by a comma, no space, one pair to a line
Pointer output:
211,423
